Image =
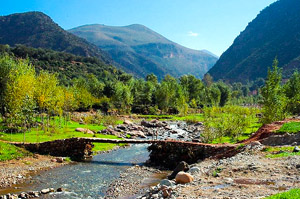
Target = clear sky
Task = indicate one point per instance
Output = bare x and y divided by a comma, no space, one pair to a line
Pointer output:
197,24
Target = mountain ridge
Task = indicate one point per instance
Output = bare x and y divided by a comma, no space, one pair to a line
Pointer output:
275,32
142,51
38,30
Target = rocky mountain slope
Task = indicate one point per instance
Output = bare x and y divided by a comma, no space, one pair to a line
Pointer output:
275,32
142,51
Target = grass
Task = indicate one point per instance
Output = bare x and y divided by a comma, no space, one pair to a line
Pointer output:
291,194
9,152
65,132
291,127
273,152
251,129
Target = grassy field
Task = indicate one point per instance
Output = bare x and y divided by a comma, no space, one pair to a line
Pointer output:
291,194
279,152
291,127
9,152
64,132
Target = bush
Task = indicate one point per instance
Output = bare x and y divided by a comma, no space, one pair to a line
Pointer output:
229,121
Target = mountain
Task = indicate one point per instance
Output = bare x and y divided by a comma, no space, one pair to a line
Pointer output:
35,29
275,32
142,51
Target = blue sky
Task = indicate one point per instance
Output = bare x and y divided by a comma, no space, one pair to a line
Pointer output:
197,24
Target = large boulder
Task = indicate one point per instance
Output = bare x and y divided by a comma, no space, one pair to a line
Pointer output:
183,178
182,166
296,149
153,123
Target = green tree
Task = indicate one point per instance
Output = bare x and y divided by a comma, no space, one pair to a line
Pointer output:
273,99
292,92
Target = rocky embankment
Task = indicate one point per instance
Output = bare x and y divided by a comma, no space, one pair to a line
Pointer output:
248,174
156,129
14,172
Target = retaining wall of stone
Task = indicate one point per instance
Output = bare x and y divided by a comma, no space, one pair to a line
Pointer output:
280,140
75,148
169,154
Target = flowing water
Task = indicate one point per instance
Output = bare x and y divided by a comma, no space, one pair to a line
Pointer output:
91,179
88,179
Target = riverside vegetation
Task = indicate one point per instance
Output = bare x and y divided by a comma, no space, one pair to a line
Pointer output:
37,106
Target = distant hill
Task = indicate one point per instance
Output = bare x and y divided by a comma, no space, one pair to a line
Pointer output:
275,32
37,30
142,51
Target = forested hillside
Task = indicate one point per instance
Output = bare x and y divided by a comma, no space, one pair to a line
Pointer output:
275,32
35,29
66,65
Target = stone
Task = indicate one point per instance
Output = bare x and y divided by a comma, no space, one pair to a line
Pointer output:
182,166
194,170
155,196
166,193
59,160
294,144
166,182
199,124
296,149
127,122
45,191
83,130
183,178
255,143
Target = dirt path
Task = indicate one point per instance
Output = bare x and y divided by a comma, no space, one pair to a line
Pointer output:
267,129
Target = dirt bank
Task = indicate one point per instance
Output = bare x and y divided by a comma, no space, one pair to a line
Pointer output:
17,171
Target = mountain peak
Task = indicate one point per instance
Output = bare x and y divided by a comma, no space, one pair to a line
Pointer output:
141,50
36,29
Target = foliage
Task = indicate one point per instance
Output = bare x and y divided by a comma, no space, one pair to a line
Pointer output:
273,99
292,92
291,194
228,121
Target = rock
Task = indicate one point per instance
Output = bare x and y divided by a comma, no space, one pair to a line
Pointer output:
182,166
83,130
53,160
229,180
199,124
127,122
155,196
166,182
22,195
59,160
194,170
166,193
296,149
294,144
255,143
183,178
45,191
